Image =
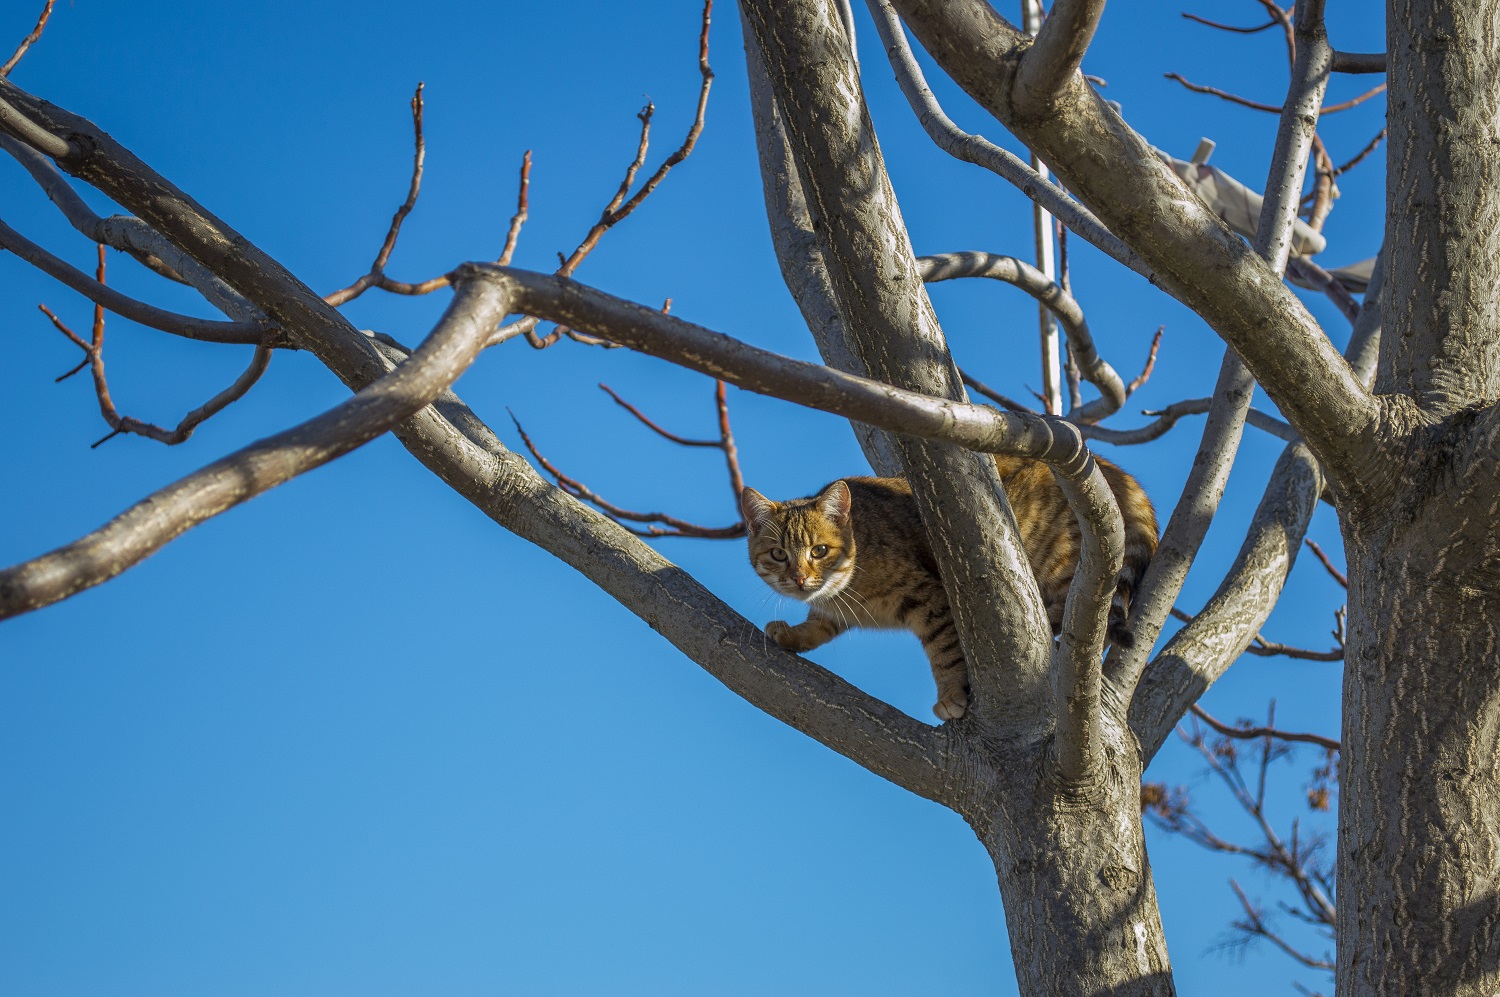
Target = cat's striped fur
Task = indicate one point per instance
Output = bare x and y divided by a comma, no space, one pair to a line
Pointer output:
857,555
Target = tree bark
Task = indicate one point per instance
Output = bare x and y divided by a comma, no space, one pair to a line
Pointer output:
1419,820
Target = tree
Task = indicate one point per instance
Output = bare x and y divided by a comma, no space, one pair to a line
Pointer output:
1047,766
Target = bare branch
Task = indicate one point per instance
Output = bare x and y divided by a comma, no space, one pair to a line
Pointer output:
1167,418
1256,925
1354,101
252,333
985,154
1247,733
950,266
94,357
1196,259
681,440
616,212
1200,652
1058,51
1338,575
1050,439
1190,519
676,527
376,276
1009,404
577,489
1079,686
519,218
457,446
147,526
1254,105
29,40
34,135
130,235
1359,62
1229,27
1359,157
727,444
1145,374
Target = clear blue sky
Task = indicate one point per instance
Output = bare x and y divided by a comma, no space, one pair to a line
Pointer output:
352,738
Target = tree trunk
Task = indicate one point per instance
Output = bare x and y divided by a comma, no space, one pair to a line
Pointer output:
1080,902
1419,819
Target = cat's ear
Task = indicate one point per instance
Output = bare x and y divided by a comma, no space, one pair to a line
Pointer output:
757,508
833,503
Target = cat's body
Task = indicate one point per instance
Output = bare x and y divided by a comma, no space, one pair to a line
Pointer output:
856,553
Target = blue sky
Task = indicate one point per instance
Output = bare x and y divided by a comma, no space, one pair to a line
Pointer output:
352,738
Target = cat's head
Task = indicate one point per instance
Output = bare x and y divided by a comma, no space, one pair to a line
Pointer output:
803,548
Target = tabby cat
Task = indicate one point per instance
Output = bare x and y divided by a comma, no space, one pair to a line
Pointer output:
857,555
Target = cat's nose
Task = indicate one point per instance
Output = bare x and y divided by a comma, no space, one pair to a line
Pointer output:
801,580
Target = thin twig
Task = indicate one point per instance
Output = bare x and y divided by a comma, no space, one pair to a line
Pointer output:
519,218
681,440
624,517
1359,157
1262,648
1256,733
1338,575
618,209
376,276
29,40
1230,27
1256,105
1009,404
1145,374
726,439
94,358
1257,926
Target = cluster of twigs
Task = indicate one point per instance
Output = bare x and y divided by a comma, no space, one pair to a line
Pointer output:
93,358
1319,201
1299,859
616,210
660,524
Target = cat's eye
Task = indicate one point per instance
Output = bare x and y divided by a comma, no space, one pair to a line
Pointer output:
821,550
777,554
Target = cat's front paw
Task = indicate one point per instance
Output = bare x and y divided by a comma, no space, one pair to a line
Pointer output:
952,706
781,632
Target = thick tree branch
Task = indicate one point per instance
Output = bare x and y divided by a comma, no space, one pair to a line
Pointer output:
130,235
804,265
1054,57
1196,258
891,325
985,154
14,121
1190,519
1201,651
150,524
1359,62
451,441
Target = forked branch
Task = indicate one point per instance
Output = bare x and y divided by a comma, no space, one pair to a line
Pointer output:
150,524
94,358
670,526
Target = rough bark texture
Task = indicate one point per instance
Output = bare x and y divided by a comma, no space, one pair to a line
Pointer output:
1070,856
1419,821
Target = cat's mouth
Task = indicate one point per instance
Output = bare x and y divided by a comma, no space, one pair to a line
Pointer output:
826,589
